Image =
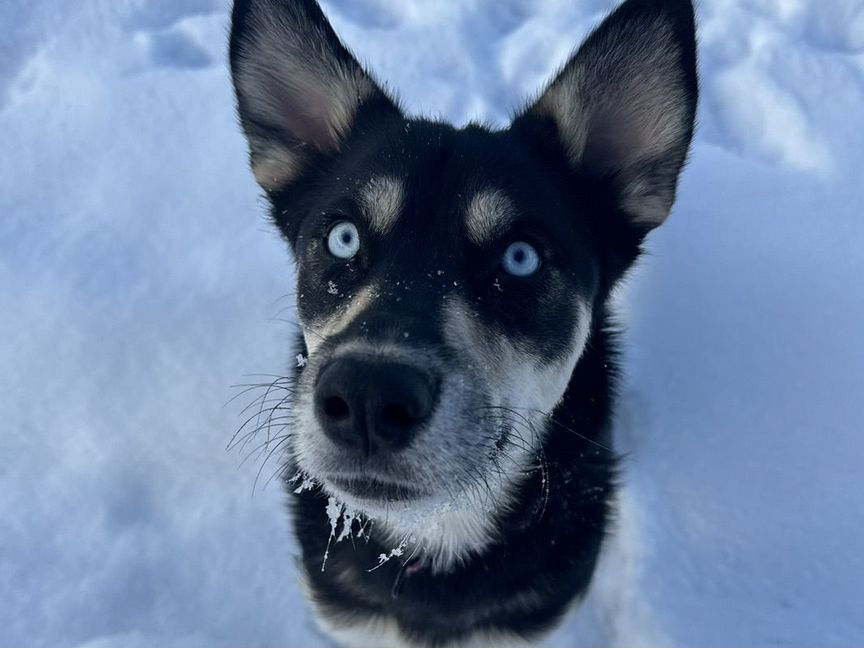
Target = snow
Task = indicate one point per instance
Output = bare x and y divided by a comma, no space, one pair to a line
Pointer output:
140,280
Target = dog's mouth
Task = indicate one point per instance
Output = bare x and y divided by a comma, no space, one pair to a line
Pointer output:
369,489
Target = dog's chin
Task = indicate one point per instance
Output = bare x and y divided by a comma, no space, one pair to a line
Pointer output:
374,495
439,520
400,507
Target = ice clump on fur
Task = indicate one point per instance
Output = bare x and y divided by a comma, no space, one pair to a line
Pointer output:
306,482
338,513
397,552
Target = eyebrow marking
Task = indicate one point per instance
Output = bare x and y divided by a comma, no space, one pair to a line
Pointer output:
489,213
381,201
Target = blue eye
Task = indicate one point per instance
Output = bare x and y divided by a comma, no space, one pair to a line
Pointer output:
343,241
520,259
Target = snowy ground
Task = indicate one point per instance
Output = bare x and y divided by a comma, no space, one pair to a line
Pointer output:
139,281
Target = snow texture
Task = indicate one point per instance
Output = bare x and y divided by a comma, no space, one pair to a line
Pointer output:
140,280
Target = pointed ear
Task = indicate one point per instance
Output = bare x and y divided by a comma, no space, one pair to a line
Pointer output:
298,89
624,105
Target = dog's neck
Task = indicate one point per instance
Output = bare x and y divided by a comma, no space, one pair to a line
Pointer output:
544,551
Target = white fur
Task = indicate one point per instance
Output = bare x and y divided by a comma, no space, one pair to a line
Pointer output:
443,528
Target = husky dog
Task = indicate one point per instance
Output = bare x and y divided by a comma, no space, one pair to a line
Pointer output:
449,454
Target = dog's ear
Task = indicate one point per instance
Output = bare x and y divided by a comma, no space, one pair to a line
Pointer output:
624,105
298,89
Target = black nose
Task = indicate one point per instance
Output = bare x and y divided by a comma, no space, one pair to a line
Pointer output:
372,406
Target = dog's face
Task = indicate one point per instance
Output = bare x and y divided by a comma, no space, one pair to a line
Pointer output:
447,278
445,296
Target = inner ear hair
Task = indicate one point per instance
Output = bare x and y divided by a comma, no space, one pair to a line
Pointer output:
624,105
298,88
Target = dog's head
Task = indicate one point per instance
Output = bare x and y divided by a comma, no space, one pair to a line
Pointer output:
449,279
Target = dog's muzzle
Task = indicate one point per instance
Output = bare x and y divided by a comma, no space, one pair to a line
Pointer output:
371,407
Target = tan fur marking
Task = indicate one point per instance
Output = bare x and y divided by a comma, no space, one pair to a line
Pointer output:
315,334
489,213
275,167
382,201
525,384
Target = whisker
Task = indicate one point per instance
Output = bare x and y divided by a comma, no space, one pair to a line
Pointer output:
247,387
553,420
281,442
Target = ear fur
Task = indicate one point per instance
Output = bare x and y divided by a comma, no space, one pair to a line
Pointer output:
624,105
298,89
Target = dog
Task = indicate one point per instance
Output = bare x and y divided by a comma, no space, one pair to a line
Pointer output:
449,453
